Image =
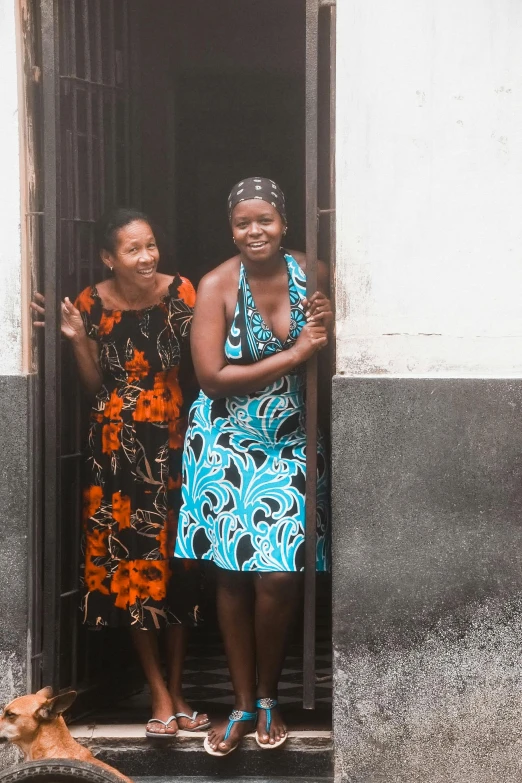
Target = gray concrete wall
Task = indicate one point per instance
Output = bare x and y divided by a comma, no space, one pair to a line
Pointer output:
427,517
15,503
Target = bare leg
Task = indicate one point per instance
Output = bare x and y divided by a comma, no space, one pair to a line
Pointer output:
235,604
177,639
276,603
146,644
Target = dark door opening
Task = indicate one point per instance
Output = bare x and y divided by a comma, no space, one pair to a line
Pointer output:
198,95
222,94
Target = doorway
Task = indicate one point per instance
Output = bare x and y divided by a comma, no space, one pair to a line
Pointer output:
222,96
163,105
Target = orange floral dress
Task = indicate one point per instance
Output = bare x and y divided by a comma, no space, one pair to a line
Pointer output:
133,465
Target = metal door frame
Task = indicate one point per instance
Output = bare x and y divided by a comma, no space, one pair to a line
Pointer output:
52,369
52,594
314,9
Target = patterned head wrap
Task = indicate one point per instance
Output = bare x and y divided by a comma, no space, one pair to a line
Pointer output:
260,188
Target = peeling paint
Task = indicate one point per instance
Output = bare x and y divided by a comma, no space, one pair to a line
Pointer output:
10,250
427,201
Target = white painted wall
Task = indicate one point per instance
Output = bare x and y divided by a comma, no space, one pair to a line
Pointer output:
10,249
429,187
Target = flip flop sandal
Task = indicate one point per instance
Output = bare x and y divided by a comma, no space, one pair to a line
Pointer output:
237,716
268,705
162,735
199,727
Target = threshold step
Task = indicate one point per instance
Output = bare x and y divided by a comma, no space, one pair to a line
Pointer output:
307,755
102,733
230,780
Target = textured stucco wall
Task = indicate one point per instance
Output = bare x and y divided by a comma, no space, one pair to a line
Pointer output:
15,457
429,187
10,252
15,503
427,507
426,461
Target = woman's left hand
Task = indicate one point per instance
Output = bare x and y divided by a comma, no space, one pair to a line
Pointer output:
319,309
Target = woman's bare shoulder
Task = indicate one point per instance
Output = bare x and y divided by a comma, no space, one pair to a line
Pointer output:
222,278
164,281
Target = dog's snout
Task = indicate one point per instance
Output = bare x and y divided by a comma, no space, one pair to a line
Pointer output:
3,739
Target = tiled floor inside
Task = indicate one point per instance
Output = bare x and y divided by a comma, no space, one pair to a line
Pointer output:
208,688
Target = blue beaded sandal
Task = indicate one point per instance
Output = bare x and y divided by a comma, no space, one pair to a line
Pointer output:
268,705
237,716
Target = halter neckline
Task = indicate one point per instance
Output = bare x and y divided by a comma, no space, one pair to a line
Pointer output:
250,338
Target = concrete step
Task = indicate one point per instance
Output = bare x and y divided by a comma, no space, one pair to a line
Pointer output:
230,780
307,755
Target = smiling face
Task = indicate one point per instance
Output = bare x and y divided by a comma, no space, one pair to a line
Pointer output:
135,255
257,228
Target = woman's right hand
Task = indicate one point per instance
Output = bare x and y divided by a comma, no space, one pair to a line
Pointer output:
312,338
72,325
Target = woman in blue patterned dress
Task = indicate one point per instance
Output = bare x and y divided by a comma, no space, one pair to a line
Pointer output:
244,465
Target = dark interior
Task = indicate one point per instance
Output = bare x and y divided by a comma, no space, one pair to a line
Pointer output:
222,93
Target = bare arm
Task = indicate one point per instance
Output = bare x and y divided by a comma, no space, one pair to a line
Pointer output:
87,355
217,378
86,351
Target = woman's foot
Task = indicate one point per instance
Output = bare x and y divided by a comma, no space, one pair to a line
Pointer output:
162,710
239,729
277,732
199,723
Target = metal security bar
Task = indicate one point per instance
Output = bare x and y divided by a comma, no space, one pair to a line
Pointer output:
52,351
320,16
87,109
32,246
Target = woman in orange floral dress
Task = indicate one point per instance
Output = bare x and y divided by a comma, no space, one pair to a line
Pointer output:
130,337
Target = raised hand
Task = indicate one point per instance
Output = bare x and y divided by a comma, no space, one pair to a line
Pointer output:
312,338
319,309
72,325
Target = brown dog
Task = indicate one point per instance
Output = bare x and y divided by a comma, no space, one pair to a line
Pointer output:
35,724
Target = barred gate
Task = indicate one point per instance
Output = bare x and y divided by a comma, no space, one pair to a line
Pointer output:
90,161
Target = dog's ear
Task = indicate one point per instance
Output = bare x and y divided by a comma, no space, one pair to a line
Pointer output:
47,692
54,707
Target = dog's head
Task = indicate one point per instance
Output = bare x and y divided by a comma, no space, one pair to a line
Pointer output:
21,719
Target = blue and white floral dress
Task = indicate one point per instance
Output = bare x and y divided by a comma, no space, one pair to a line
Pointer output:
244,464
